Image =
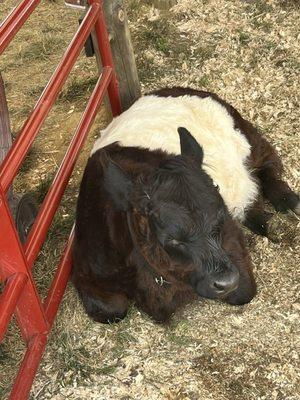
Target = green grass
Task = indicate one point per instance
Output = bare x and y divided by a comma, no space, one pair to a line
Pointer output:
157,34
133,7
259,7
179,340
203,81
41,49
72,360
77,88
42,189
205,52
75,363
20,114
4,355
108,369
262,25
177,333
163,47
290,4
47,28
124,336
122,342
35,50
35,91
147,70
244,38
293,63
269,46
163,37
73,91
30,160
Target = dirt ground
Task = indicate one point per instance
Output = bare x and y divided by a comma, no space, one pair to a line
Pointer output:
248,52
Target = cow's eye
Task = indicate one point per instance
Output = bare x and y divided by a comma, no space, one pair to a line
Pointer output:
174,242
177,249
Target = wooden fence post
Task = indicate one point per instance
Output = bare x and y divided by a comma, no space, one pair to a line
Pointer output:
122,50
5,133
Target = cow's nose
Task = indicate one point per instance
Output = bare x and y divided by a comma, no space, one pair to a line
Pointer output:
226,284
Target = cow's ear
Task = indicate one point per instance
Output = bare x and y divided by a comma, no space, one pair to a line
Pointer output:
116,182
189,146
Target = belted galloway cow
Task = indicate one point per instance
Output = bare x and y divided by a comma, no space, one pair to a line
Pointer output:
160,203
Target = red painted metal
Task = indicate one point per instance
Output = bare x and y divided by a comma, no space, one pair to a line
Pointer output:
8,301
107,60
59,283
20,295
14,21
18,151
28,368
12,260
51,201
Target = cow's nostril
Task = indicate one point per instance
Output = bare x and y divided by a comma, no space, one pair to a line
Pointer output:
220,286
226,285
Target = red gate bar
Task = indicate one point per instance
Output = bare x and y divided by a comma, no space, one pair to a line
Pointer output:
29,310
37,346
20,295
9,299
30,129
51,202
28,368
59,283
107,60
14,21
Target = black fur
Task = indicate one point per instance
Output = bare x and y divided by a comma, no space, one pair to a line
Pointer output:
153,229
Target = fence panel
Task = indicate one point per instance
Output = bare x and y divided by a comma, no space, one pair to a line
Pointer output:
19,296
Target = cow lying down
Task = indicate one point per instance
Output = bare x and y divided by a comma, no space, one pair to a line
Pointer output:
159,202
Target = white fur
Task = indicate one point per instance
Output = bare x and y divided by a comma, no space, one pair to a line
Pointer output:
152,123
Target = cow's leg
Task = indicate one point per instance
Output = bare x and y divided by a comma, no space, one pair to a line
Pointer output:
101,244
275,189
268,168
257,218
104,306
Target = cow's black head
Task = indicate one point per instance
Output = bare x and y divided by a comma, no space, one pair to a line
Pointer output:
180,211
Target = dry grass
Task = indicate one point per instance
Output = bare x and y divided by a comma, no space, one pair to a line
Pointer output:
248,52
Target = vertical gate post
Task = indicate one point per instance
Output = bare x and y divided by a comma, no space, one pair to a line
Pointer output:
5,133
122,50
119,40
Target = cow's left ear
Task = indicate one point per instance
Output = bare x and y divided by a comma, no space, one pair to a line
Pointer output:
189,146
116,182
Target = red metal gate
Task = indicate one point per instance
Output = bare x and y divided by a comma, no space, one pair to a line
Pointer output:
20,296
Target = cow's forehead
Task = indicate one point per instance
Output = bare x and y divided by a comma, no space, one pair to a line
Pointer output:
199,216
198,197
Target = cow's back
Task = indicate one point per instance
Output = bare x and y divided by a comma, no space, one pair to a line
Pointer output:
152,123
